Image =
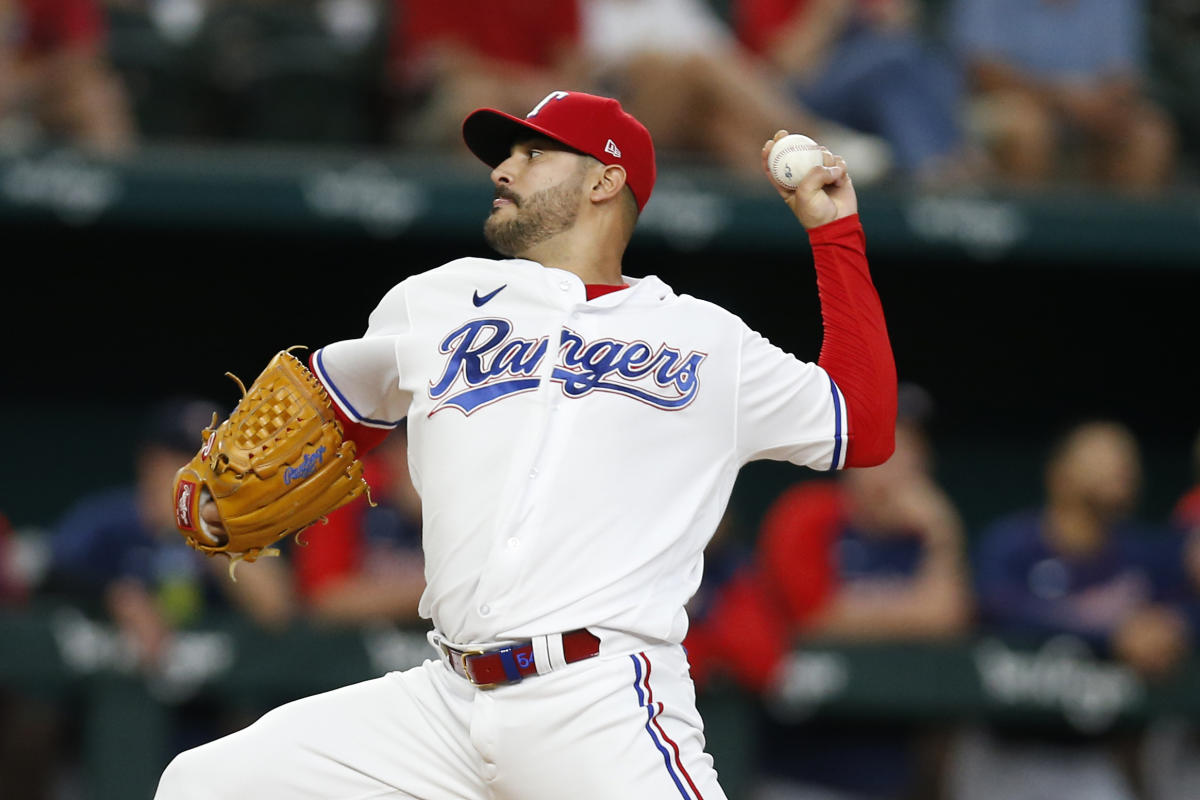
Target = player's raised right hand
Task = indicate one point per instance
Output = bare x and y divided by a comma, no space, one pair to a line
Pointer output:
823,196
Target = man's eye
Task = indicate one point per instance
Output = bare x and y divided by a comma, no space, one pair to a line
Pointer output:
534,153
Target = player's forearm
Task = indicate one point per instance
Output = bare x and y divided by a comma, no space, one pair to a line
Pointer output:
1012,612
856,351
921,610
807,39
367,598
261,592
136,615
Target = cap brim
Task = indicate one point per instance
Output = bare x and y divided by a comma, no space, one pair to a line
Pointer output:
490,134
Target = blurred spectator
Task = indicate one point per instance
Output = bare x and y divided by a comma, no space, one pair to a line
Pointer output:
448,59
116,555
366,565
877,555
1059,90
898,547
895,541
1080,566
863,63
677,66
118,550
739,631
55,79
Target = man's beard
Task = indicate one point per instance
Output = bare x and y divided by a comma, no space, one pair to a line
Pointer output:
538,217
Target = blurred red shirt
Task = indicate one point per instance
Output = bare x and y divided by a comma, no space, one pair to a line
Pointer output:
1187,511
758,21
528,33
749,627
44,26
328,553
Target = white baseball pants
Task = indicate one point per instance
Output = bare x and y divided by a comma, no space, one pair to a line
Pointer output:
613,726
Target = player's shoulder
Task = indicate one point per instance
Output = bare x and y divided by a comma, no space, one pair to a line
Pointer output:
679,308
467,265
721,318
441,277
452,270
698,306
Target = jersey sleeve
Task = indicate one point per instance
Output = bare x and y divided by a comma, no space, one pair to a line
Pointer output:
841,411
787,409
363,375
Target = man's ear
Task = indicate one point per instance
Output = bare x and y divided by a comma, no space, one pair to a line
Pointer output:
608,184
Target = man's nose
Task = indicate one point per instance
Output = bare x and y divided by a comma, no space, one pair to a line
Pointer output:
502,174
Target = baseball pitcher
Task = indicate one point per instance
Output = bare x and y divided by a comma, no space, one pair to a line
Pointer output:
575,434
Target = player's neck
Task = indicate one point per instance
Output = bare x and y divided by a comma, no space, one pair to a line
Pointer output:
595,259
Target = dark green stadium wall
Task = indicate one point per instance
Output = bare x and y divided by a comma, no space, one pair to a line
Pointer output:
105,321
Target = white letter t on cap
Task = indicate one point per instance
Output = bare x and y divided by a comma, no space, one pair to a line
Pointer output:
546,99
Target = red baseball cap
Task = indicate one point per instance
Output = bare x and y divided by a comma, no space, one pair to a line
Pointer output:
594,125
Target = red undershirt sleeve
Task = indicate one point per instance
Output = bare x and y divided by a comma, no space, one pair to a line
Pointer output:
856,351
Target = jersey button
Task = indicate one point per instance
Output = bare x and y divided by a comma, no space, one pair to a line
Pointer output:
484,610
565,285
533,472
514,543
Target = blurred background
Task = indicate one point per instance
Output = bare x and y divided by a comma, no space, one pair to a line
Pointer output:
1007,608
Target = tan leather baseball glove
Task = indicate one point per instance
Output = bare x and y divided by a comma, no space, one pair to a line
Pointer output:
278,464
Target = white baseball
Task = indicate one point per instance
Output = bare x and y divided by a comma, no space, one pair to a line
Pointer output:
792,157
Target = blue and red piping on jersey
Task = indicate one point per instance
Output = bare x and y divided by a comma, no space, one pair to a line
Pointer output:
365,433
839,428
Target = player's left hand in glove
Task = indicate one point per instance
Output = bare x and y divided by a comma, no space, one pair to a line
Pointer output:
279,463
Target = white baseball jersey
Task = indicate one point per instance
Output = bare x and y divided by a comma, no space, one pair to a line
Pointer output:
574,457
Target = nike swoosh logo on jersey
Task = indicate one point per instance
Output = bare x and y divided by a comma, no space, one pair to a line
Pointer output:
478,301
